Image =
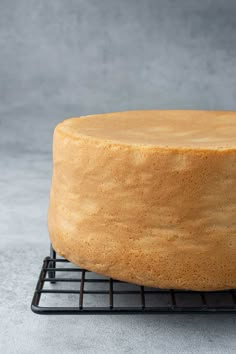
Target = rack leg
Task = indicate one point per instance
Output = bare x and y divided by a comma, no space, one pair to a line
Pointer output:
52,264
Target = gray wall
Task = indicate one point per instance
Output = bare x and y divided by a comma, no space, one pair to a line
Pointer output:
65,58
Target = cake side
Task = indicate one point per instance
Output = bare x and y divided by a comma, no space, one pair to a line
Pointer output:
151,216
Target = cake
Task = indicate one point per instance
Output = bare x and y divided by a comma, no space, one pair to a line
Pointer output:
147,197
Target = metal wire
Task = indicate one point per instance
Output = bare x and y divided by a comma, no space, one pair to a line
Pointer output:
48,277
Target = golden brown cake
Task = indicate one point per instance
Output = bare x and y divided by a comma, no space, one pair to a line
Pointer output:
148,197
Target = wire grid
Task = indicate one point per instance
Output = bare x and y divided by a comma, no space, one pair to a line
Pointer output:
80,290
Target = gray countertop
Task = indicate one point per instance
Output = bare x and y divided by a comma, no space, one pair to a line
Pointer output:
24,242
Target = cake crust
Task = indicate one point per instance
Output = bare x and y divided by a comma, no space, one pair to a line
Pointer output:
148,197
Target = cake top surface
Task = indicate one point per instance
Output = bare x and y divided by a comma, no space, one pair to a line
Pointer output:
162,128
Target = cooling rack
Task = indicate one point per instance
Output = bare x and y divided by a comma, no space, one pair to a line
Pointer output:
63,288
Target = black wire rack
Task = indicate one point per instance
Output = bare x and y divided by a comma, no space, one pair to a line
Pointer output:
58,292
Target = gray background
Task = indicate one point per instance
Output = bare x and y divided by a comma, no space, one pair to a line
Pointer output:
68,58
